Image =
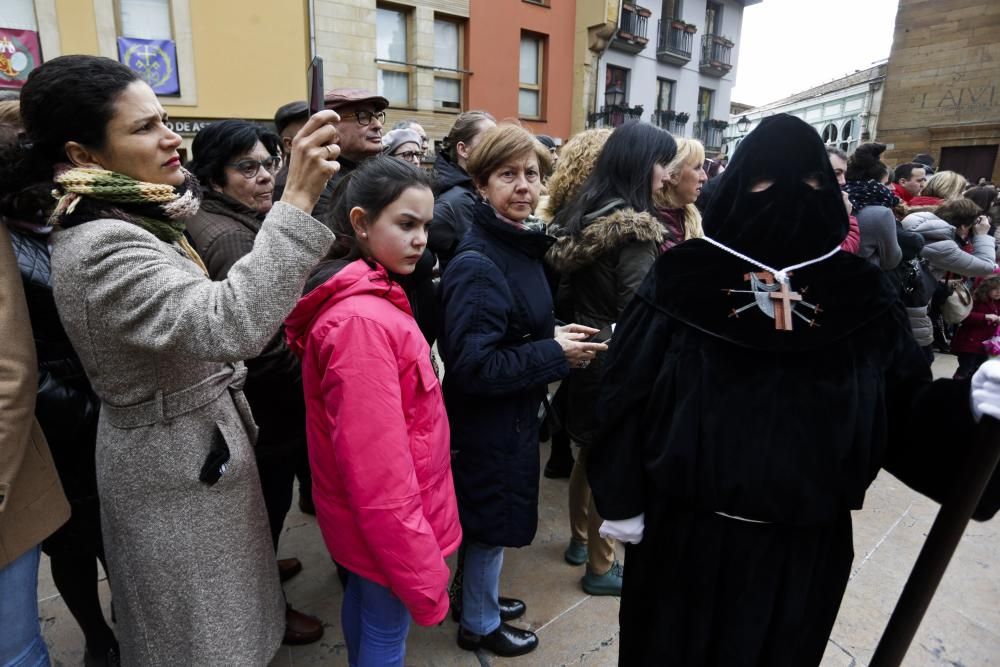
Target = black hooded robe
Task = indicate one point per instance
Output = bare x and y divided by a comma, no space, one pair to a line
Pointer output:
705,415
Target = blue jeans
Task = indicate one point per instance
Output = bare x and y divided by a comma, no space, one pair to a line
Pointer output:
481,588
375,624
21,643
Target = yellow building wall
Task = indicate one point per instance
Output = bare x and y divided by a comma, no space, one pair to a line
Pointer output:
77,27
250,57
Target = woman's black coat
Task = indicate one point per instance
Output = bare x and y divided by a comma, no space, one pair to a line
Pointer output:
497,344
67,407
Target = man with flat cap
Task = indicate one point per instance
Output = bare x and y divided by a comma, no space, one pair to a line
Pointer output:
288,120
362,114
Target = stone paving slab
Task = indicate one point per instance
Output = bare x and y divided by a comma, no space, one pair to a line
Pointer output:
962,627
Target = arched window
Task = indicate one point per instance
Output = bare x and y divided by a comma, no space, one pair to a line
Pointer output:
830,134
847,138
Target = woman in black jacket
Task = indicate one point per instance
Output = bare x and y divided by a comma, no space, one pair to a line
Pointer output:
454,192
501,348
67,410
609,238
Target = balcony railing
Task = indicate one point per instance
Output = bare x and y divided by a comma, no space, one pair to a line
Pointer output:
614,115
674,41
709,134
669,121
716,55
632,29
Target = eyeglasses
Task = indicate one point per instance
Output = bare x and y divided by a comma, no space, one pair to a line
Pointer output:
412,156
365,117
250,168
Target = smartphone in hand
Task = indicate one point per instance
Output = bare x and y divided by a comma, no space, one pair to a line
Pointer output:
315,76
602,336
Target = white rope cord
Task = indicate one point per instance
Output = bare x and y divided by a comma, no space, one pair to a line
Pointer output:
781,275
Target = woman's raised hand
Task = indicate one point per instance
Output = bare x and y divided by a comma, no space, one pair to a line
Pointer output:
313,161
571,339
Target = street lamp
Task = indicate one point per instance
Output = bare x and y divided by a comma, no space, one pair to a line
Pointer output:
743,124
614,96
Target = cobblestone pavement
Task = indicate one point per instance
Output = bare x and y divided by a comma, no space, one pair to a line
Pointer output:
962,627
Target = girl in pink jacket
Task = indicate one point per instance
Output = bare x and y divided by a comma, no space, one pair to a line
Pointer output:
376,424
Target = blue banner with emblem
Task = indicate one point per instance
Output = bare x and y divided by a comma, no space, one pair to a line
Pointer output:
154,60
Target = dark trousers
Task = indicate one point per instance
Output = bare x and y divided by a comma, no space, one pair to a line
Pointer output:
277,459
968,363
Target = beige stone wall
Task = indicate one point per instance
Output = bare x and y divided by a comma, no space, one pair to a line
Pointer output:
943,82
345,39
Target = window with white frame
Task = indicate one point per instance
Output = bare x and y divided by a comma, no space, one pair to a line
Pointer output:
145,19
18,15
529,99
847,139
448,74
392,52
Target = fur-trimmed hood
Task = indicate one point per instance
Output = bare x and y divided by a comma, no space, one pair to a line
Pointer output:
602,235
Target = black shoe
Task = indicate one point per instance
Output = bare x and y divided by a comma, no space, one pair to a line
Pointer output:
506,641
510,608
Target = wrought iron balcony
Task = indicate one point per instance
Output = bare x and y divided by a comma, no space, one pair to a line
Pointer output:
673,122
614,115
716,55
674,41
632,29
709,132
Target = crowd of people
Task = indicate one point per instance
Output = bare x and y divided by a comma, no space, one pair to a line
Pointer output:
183,341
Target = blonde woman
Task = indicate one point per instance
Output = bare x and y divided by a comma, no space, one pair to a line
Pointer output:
675,203
942,187
576,161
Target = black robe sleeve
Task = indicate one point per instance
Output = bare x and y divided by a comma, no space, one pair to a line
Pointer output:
615,458
931,430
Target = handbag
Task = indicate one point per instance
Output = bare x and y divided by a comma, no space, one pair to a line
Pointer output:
958,305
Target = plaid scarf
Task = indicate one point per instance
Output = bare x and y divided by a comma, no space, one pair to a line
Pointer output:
92,194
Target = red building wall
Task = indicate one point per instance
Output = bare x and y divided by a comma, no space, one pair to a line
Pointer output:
494,43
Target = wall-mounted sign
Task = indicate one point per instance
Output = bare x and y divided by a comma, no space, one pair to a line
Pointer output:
19,54
154,60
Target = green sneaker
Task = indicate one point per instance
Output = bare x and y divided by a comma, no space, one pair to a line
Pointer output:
576,553
609,583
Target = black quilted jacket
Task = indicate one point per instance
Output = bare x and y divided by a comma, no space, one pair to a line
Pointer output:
67,407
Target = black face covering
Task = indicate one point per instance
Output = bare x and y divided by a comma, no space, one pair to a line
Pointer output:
790,222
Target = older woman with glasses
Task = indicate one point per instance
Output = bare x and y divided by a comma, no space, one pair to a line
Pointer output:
235,162
403,144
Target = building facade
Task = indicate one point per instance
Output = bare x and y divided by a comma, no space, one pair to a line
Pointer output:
245,58
673,63
521,62
942,93
224,58
844,111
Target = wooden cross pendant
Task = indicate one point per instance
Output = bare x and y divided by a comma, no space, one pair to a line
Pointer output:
783,301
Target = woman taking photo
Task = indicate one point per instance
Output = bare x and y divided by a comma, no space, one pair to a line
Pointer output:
501,348
454,192
235,162
609,238
191,563
378,432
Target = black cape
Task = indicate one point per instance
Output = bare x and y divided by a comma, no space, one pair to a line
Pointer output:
702,413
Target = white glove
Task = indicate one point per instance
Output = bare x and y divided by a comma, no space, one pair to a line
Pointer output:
986,390
630,530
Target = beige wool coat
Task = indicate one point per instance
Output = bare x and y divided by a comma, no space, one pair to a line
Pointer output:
32,504
192,568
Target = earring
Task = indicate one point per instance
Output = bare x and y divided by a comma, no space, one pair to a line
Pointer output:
364,235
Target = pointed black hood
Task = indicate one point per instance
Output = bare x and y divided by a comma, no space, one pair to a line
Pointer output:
790,222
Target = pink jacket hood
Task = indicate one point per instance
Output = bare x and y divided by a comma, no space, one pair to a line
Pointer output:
378,435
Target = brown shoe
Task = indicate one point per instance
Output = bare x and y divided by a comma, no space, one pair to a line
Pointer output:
288,568
301,628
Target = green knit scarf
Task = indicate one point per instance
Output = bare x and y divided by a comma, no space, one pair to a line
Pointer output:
93,194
